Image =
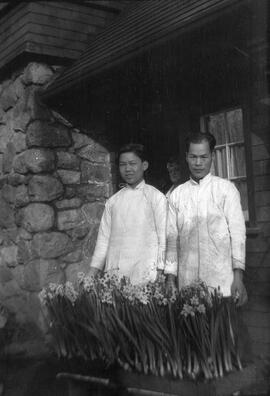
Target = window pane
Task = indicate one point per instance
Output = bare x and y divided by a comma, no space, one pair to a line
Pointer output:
220,163
237,162
242,188
235,126
216,126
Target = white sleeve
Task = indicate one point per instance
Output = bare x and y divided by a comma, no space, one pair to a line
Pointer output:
101,249
171,262
160,222
236,224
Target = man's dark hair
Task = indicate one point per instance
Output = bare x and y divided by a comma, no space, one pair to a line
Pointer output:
136,148
199,137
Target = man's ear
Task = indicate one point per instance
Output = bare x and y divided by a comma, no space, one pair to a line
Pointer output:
213,155
145,165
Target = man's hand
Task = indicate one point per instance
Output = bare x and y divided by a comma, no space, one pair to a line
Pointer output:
171,288
238,290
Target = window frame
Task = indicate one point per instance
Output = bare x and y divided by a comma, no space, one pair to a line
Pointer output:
251,223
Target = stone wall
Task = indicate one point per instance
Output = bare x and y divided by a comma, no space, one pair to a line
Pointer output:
54,181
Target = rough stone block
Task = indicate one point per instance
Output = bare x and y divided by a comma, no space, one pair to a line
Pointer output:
69,176
23,234
44,188
8,157
26,251
92,191
68,203
91,154
67,160
19,142
5,137
36,73
15,179
5,274
93,211
73,256
52,244
37,217
68,219
78,232
8,255
6,215
91,172
22,197
34,160
42,134
8,96
80,140
9,193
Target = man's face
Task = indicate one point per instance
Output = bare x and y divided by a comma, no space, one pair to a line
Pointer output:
199,159
132,168
174,173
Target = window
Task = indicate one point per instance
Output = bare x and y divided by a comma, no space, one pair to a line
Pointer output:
230,157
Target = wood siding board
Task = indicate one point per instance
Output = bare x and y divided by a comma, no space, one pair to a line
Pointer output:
115,47
14,49
259,334
257,319
58,35
262,198
258,259
259,274
263,214
257,244
261,167
261,152
33,47
55,9
265,229
51,41
257,304
75,26
262,183
8,42
260,349
9,25
57,20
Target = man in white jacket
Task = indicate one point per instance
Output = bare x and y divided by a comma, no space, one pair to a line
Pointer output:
132,233
205,214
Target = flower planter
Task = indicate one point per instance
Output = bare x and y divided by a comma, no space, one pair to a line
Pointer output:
122,383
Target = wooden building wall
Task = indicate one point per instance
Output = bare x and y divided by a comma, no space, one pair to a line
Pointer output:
52,29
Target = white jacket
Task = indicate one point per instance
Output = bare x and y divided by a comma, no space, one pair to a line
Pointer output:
132,234
205,233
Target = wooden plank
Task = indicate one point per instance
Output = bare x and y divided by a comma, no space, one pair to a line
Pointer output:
260,349
68,11
55,51
259,274
51,41
14,38
262,198
259,334
265,229
262,183
258,259
14,50
75,25
263,214
60,33
257,304
12,20
257,319
257,244
261,167
258,288
261,152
